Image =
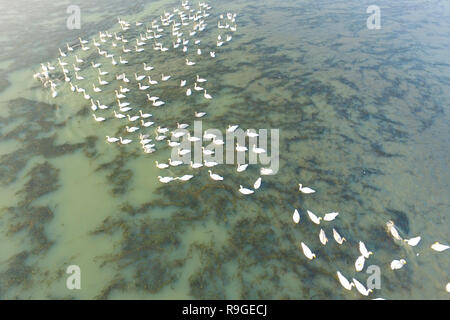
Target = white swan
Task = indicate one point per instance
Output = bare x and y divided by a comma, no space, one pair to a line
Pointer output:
307,252
330,216
338,237
210,164
296,216
186,177
165,179
258,150
439,247
207,152
344,282
132,119
199,114
196,165
413,241
359,263
183,83
200,80
245,190
313,217
132,129
240,148
188,92
207,95
257,183
111,139
322,237
361,289
119,115
391,228
305,190
175,163
161,165
397,264
362,248
215,176
98,119
241,167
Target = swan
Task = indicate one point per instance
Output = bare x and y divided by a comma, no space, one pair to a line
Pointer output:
96,65
182,125
212,54
54,93
330,216
313,217
215,176
189,63
257,183
72,88
218,142
142,88
307,252
150,81
86,96
200,114
123,90
122,104
113,62
296,216
210,164
413,241
322,237
305,190
147,68
111,139
119,95
165,179
144,115
165,78
102,82
161,165
251,134
61,53
102,73
207,152
439,247
241,167
200,80
96,89
75,68
197,88
196,165
188,92
344,282
124,109
232,128
359,263
162,130
219,43
138,78
397,264
118,115
186,177
160,138
78,60
93,105
245,190
258,150
122,61
207,96
98,119
240,148
153,99
132,129
338,237
193,139
173,143
84,48
182,152
183,83
78,77
175,163
83,41
360,287
132,119
362,248
178,134
158,103
391,228
229,38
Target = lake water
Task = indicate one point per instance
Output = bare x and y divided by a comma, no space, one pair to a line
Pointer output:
362,116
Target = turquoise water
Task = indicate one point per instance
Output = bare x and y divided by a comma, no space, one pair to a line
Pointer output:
363,119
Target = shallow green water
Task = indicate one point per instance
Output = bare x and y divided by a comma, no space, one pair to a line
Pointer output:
363,119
